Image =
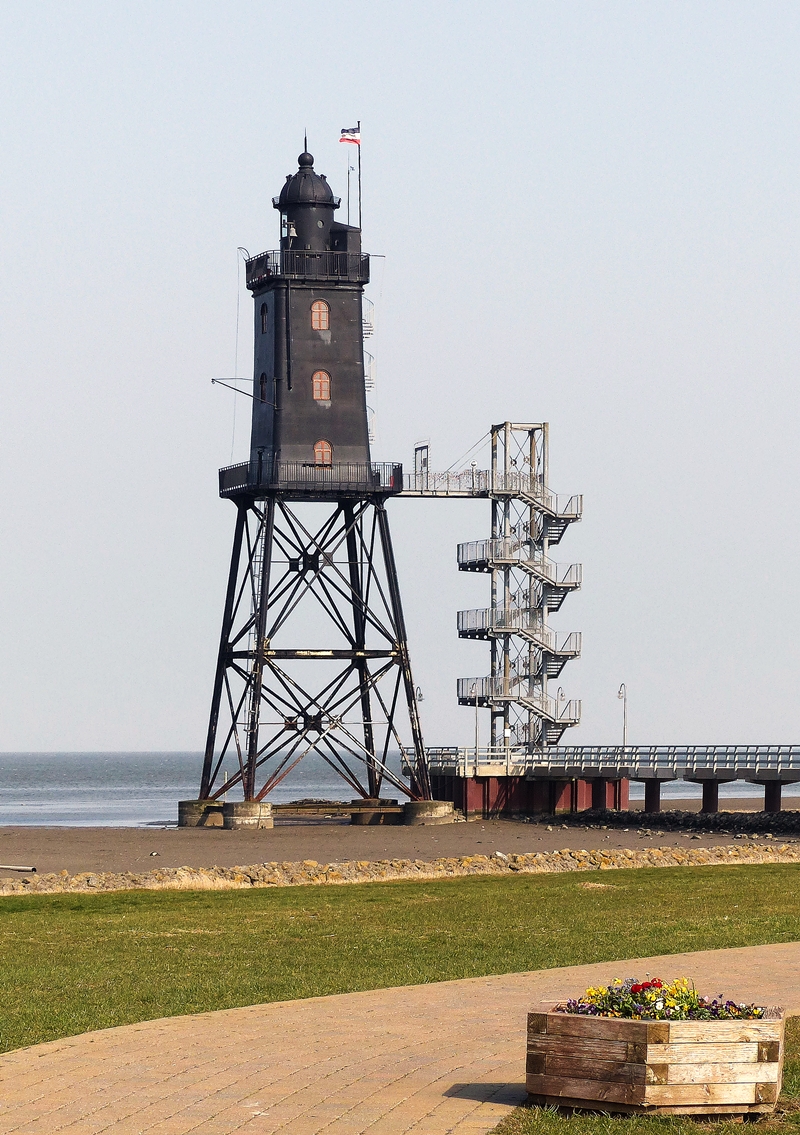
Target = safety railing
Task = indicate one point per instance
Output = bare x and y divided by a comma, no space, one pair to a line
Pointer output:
484,551
339,477
482,482
634,762
517,620
510,619
370,370
509,549
472,760
469,482
518,688
306,264
681,760
296,476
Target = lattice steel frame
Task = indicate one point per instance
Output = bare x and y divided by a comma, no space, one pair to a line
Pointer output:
267,708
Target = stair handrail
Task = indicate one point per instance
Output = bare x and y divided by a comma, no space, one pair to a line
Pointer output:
519,550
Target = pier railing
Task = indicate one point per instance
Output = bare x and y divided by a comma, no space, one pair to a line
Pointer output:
634,762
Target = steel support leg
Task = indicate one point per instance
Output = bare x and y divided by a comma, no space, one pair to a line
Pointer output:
257,680
222,656
420,781
359,639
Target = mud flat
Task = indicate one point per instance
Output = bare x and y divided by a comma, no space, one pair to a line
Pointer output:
310,872
139,851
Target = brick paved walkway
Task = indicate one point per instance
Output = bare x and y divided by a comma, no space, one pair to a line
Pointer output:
426,1059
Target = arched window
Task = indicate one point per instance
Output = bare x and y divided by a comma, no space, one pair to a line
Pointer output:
321,386
320,316
263,383
323,453
264,323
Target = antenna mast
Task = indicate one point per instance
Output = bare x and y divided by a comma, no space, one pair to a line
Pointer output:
359,173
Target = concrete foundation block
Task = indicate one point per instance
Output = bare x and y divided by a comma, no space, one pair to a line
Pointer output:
428,812
376,810
200,813
376,816
246,814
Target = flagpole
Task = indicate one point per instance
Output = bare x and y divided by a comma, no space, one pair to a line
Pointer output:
359,172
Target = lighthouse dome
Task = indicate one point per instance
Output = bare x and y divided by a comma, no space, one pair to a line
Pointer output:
306,187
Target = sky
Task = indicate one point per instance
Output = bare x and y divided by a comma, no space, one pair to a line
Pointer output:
586,213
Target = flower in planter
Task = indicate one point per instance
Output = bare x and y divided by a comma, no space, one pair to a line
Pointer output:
655,999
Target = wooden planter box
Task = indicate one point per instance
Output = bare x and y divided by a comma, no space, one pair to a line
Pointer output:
660,1067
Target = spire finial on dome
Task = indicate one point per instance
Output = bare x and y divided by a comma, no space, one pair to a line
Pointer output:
305,160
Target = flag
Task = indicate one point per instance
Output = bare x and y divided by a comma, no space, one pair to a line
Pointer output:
351,134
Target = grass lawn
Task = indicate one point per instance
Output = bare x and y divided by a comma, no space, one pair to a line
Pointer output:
785,1121
70,963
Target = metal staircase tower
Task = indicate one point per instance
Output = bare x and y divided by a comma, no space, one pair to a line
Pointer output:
526,586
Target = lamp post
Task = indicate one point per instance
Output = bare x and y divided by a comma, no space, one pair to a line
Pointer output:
622,694
474,691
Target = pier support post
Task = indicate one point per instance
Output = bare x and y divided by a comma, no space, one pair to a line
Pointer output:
599,794
652,796
772,796
773,783
622,794
710,796
561,797
582,795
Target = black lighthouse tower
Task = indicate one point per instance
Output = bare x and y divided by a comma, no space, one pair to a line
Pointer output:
313,655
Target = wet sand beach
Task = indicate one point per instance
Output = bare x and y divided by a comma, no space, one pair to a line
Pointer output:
53,849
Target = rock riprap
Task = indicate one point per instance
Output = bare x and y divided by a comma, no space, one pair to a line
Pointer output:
309,872
784,823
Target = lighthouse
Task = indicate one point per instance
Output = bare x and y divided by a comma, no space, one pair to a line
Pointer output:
313,655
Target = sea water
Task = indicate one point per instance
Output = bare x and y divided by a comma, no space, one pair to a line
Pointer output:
133,789
141,789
